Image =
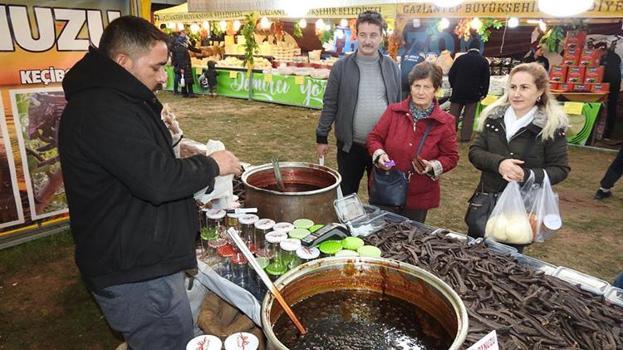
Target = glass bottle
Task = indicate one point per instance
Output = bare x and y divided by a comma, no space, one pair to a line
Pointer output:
262,227
288,253
247,230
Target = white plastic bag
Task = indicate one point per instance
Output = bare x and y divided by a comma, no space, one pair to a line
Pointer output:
222,197
508,222
541,203
182,82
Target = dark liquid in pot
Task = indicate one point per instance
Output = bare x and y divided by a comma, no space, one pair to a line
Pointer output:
293,187
360,320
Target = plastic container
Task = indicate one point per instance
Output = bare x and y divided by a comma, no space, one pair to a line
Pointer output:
298,233
205,342
307,254
247,230
352,243
242,341
288,252
231,220
283,227
330,247
273,239
614,295
303,223
262,227
584,281
369,251
215,223
535,264
351,212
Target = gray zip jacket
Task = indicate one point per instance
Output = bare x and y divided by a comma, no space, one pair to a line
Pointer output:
340,98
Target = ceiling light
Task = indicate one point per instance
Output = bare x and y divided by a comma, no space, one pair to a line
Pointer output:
180,26
567,8
447,3
542,26
343,22
416,23
236,25
223,25
303,23
320,25
443,24
194,28
513,22
475,23
339,34
264,23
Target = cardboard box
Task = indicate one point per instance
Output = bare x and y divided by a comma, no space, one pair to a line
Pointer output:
600,88
558,74
591,57
581,87
571,57
575,39
566,87
594,75
575,74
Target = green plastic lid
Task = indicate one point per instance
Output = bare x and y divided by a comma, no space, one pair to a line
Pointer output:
330,247
298,233
352,243
315,228
303,223
262,261
347,253
369,251
276,269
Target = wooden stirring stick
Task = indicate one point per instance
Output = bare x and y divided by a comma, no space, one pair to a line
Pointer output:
269,284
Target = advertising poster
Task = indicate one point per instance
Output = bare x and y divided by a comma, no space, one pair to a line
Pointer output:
37,114
11,212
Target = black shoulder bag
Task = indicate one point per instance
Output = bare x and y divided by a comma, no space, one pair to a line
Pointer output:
389,187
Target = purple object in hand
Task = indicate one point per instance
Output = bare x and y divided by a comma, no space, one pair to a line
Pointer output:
389,164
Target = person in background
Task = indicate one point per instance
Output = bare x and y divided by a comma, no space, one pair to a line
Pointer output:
613,174
612,75
523,131
359,88
417,128
211,74
411,56
536,55
133,217
469,79
180,58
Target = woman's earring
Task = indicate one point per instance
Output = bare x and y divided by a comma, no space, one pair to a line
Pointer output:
538,99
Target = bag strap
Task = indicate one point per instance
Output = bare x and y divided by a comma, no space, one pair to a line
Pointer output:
420,145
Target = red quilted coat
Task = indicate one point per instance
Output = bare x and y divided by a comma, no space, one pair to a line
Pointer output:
395,134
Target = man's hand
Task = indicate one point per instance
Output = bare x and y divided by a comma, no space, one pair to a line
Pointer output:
227,162
511,170
322,149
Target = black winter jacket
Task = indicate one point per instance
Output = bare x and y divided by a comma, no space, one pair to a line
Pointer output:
133,216
469,77
490,148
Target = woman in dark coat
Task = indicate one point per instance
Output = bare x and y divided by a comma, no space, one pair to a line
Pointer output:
401,129
522,132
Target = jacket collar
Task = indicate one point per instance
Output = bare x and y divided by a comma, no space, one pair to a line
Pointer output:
498,114
436,115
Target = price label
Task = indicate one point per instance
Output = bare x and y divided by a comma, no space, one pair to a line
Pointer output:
299,79
268,78
573,107
233,74
488,342
488,100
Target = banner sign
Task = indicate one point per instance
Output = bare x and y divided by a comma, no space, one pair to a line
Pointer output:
503,9
11,212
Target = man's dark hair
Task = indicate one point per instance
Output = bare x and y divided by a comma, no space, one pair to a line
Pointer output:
130,35
371,17
474,44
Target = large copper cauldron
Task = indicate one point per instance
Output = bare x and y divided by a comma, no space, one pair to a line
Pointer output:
310,192
394,278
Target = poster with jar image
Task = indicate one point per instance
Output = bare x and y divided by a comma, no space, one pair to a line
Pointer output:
11,212
37,113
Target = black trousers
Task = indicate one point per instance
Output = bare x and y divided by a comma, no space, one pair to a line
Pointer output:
614,172
465,134
176,82
351,166
613,99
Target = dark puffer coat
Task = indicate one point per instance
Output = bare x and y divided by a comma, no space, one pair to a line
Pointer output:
490,148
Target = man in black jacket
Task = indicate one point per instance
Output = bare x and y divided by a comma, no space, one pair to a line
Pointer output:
182,67
469,79
133,215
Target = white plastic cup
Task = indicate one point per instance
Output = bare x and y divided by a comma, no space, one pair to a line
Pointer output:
205,342
242,341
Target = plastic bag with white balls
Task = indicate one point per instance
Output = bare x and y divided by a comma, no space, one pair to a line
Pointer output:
541,203
509,222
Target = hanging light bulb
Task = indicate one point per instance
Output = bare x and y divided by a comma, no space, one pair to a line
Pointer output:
475,23
343,23
447,3
542,26
180,26
264,23
565,9
236,25
303,23
513,22
416,23
171,25
223,25
194,28
443,24
339,34
205,25
320,25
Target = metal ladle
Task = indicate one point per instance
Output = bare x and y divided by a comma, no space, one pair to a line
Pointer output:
277,172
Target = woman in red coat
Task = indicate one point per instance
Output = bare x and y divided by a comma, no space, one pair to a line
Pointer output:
400,136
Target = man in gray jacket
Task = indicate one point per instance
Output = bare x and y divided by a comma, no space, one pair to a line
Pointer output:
359,89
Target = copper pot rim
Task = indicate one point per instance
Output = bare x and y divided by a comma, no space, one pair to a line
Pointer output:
268,166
